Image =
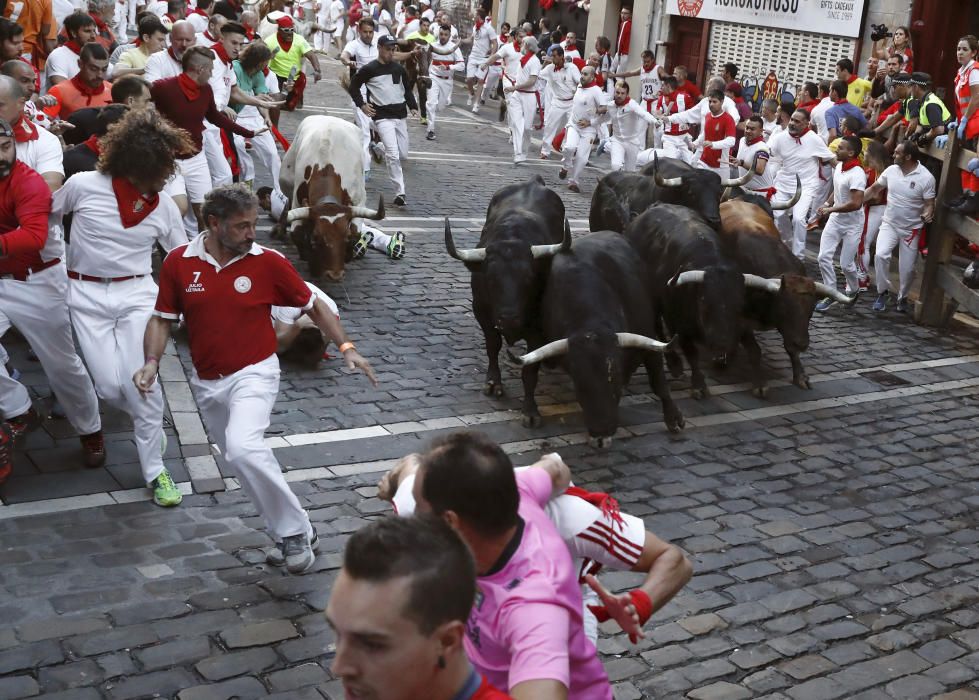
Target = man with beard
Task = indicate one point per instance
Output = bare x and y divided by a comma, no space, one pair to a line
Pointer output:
225,285
88,88
629,123
588,105
166,64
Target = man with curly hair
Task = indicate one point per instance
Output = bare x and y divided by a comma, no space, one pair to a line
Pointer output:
118,213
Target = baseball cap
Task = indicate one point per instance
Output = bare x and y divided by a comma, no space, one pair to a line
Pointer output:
5,130
387,40
286,22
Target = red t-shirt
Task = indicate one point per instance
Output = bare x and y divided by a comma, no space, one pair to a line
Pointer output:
717,129
228,310
25,203
489,692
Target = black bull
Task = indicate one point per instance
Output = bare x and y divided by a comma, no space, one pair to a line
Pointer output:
600,327
525,227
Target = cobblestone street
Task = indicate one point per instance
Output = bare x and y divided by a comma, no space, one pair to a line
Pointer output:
833,532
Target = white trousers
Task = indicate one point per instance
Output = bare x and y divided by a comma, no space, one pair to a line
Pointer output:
365,123
38,308
676,147
263,146
394,136
906,242
791,223
623,154
834,233
217,162
555,119
439,96
493,75
874,217
236,410
521,107
323,40
577,148
109,321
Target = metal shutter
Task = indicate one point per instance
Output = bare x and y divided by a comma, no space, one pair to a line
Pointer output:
796,57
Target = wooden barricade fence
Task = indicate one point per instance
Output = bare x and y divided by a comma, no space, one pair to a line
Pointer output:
942,289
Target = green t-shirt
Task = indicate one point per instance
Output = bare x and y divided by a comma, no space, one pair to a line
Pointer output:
249,84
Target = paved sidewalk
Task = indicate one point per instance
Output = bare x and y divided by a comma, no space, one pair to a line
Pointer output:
833,531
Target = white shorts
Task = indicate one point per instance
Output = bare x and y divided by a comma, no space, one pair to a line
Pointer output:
474,67
175,186
290,314
197,177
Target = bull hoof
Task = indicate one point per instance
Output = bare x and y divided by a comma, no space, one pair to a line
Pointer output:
532,421
760,392
802,382
676,425
601,443
493,389
699,393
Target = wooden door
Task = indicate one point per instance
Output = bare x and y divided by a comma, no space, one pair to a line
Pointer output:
688,46
935,31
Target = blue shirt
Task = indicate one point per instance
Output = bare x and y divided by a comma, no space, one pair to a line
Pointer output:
838,112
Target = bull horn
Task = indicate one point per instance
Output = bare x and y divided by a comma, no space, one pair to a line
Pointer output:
664,181
833,292
688,277
365,213
466,254
546,251
642,342
545,352
737,181
762,283
443,52
297,214
795,198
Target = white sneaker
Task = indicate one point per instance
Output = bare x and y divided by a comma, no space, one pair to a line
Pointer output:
469,101
298,554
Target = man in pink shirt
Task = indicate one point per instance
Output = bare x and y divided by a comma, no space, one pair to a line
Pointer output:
525,631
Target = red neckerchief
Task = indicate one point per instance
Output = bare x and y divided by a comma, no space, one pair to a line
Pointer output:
24,130
137,42
739,100
170,17
207,35
851,79
525,58
170,51
479,24
222,53
503,39
808,105
101,26
840,102
92,142
249,34
752,142
190,89
603,501
199,11
798,139
86,89
283,44
74,46
133,206
852,163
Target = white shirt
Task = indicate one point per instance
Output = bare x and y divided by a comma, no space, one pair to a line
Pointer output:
443,66
161,65
61,9
44,155
818,118
384,22
531,69
629,122
650,83
511,62
361,53
585,105
697,113
571,54
100,245
198,22
409,28
751,154
223,78
202,40
157,8
62,62
429,14
561,83
768,127
906,195
334,15
483,41
843,185
798,156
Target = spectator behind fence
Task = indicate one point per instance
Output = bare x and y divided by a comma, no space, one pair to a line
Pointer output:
967,110
900,44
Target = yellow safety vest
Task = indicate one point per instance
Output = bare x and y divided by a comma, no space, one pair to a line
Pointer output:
932,98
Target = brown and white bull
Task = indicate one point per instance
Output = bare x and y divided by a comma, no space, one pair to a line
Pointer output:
323,174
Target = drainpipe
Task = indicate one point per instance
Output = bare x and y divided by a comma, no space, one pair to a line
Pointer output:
656,12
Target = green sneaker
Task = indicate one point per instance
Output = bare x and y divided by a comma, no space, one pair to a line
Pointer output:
396,246
165,492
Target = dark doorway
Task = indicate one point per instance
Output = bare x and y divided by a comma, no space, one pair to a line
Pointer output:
688,45
935,30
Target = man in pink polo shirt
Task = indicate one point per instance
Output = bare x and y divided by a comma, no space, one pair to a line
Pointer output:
525,632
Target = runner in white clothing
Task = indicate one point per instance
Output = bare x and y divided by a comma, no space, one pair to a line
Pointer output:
676,137
440,71
355,55
562,78
845,224
118,213
753,155
797,151
589,104
484,43
629,122
520,72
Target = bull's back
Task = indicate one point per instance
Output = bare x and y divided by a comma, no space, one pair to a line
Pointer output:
760,250
670,237
319,141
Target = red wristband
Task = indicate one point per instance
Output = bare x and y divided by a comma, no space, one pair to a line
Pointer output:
643,605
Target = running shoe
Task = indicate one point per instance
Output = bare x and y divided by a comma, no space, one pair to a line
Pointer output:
93,447
430,136
903,305
23,424
424,121
825,305
362,244
400,201
275,557
377,152
469,101
881,303
298,554
563,174
396,246
165,492
573,186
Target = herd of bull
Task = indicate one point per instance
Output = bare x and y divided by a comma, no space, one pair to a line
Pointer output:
666,259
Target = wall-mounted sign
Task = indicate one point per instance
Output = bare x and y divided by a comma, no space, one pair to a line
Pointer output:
839,17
